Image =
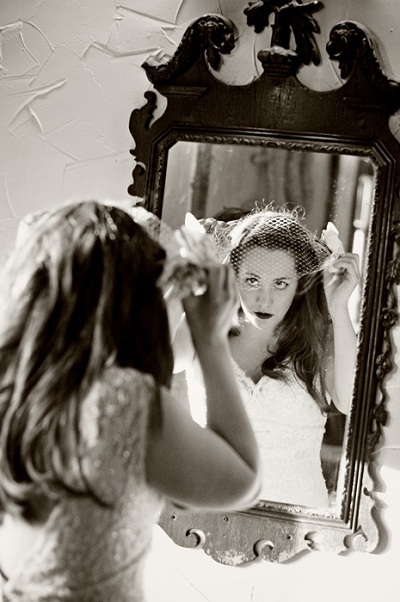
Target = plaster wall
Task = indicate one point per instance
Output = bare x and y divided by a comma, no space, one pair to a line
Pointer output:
70,76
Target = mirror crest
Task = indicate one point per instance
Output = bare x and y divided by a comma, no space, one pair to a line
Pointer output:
289,18
276,113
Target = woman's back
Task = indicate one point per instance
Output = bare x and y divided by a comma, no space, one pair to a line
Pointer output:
89,551
88,451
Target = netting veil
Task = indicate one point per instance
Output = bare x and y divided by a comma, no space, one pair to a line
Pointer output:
271,241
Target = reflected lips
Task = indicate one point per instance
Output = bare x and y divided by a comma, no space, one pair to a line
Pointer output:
262,315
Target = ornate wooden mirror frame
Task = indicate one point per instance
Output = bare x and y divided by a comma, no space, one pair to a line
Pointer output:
276,110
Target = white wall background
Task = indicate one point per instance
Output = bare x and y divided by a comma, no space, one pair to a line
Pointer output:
70,76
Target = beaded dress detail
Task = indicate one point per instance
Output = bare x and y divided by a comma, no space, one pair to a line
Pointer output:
289,427
92,552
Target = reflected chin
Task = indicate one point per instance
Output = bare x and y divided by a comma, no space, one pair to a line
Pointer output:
261,321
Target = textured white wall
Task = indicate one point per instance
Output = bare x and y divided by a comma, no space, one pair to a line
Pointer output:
70,76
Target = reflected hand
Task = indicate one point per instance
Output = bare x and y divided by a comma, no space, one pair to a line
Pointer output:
210,224
340,280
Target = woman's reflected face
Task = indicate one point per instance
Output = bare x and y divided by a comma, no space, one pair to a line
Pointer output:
267,286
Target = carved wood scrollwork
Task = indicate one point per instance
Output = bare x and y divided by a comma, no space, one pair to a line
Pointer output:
352,47
290,17
389,318
210,36
277,111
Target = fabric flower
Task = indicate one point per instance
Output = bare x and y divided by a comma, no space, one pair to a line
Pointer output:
185,274
330,236
189,251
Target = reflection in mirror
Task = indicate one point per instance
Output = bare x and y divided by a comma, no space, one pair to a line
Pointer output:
215,180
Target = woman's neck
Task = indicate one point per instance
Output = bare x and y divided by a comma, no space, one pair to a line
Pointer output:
251,347
263,336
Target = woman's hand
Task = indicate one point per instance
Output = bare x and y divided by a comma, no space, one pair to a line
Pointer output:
210,224
210,316
340,280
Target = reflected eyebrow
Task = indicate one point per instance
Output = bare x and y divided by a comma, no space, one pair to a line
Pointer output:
261,277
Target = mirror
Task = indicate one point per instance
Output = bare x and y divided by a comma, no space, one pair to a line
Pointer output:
218,146
214,180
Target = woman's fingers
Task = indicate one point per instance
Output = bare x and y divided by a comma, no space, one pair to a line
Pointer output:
340,280
214,310
349,262
343,269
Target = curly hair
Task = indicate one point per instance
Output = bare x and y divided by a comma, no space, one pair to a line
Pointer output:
79,294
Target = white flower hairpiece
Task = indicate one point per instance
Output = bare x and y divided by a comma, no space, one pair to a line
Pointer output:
189,251
330,236
185,273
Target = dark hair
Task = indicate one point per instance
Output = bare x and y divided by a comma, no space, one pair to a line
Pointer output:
300,338
227,214
78,294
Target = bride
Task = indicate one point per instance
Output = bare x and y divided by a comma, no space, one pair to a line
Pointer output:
293,347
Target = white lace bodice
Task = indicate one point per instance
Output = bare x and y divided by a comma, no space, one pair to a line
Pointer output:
87,551
289,427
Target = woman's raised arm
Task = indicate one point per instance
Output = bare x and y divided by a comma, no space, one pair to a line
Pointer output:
216,467
339,285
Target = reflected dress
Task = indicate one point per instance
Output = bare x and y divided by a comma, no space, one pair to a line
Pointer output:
289,428
91,552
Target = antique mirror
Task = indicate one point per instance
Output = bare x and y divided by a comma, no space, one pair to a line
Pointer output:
218,148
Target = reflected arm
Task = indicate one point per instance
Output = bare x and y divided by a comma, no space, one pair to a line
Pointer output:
341,364
339,284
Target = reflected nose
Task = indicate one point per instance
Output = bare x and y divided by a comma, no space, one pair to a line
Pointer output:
264,296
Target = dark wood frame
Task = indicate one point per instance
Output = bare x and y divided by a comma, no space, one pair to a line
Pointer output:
276,110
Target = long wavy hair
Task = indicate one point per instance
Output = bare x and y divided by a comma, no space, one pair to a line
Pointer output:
300,339
79,294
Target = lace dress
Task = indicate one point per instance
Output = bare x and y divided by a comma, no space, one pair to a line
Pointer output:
289,427
92,552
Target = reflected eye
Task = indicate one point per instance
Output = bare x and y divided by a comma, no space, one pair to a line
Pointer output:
251,282
281,284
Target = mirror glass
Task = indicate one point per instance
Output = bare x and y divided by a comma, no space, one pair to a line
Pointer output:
212,180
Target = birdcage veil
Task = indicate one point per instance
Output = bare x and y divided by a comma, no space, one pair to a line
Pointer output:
282,232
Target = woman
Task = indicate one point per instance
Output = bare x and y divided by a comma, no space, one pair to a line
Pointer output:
91,439
294,297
